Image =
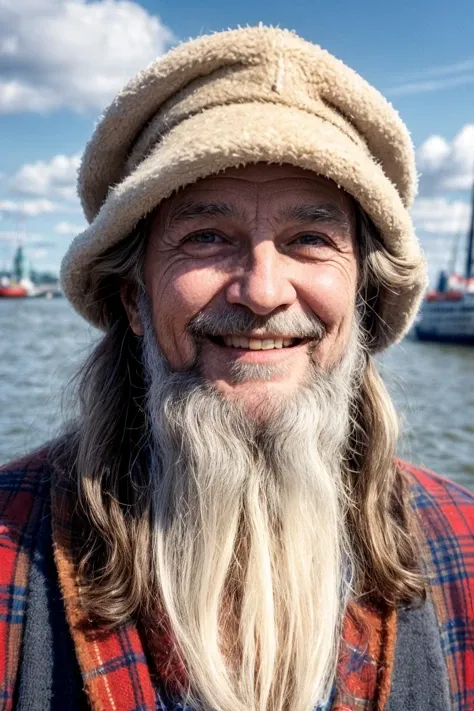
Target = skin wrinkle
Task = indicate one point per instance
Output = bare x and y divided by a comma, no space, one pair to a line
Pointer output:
314,213
240,322
249,258
389,154
190,210
304,214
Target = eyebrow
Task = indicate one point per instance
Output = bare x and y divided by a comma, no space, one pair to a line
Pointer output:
305,214
190,210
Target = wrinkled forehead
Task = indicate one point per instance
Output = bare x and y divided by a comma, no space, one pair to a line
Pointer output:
269,187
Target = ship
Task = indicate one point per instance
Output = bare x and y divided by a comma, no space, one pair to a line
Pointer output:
20,286
447,312
9,290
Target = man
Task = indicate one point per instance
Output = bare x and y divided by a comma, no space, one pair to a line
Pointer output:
230,527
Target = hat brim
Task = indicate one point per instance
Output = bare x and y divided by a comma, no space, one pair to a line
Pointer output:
233,135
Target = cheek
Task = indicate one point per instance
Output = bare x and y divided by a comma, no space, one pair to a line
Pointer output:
176,297
182,297
331,294
332,297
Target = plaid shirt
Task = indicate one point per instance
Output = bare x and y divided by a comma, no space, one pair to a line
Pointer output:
114,667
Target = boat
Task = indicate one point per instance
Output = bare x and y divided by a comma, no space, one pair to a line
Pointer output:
20,285
447,313
12,291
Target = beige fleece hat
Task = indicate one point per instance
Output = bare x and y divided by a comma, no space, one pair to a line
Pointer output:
243,96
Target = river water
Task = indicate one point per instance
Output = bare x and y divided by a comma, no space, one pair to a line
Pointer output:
43,341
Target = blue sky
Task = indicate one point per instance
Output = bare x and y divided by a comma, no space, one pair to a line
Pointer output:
61,62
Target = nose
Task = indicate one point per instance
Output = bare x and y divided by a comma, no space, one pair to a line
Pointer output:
263,285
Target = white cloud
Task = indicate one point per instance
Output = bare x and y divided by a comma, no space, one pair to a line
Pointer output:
465,65
435,79
67,229
26,208
430,85
441,216
56,177
446,166
72,53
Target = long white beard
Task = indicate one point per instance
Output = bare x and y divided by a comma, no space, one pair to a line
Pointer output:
249,534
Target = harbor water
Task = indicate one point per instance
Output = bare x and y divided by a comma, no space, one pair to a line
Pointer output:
43,342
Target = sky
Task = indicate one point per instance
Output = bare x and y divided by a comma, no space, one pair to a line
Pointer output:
63,61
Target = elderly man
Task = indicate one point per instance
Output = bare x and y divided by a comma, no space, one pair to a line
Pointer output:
224,526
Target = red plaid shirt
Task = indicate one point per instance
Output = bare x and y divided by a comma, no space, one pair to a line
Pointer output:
113,665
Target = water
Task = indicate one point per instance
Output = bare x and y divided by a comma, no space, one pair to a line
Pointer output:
43,341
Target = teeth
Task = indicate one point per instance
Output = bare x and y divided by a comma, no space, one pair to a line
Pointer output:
257,344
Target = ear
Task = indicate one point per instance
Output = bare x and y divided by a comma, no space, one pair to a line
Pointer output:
128,295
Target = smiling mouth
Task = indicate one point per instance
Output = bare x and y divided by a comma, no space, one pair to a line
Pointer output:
257,344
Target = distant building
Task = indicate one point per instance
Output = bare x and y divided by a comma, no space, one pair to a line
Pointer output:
21,270
20,265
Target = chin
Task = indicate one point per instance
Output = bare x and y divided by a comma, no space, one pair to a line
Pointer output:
258,397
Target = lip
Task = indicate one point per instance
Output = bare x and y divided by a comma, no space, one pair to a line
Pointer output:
246,355
261,336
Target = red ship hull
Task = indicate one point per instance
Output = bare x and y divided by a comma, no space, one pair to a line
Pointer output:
12,292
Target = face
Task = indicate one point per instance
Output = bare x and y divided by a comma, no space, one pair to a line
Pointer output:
264,240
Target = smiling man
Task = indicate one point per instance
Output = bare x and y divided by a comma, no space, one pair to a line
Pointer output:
255,270
224,525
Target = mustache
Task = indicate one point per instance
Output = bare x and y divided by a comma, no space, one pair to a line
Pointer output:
239,321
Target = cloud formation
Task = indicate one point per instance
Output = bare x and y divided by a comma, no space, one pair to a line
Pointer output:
54,178
67,229
72,54
429,85
26,208
444,70
446,166
441,216
435,79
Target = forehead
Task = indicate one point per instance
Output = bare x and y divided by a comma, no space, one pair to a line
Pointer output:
274,184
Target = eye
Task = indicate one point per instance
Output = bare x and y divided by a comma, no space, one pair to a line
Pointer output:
204,237
309,240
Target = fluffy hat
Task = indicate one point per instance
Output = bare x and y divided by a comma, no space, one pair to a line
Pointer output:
244,96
